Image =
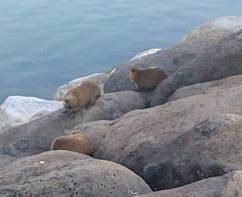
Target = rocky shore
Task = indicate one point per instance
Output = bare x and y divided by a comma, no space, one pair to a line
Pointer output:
182,140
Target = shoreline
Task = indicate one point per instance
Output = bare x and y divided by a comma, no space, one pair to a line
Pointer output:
188,142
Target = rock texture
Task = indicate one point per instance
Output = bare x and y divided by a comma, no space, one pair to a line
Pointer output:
64,173
196,43
36,136
205,88
139,139
228,185
223,59
17,110
211,148
99,78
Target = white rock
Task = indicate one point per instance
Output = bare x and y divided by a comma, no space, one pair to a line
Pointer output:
145,53
99,78
231,23
18,110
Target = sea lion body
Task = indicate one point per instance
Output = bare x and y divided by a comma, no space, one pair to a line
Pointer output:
76,142
147,79
81,96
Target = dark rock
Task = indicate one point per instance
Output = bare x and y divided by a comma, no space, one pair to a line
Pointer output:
228,185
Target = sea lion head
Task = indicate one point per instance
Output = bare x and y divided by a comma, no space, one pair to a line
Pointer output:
70,101
133,73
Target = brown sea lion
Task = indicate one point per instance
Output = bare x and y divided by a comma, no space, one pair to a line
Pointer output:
147,79
81,96
76,142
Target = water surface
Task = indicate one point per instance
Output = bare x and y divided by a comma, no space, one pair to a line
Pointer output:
45,43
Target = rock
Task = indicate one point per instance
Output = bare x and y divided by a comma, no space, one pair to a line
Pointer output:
139,139
64,173
209,149
205,88
17,110
145,53
36,136
99,78
167,60
214,31
228,185
223,59
76,142
194,44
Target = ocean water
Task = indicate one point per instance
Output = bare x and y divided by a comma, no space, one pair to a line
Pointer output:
45,43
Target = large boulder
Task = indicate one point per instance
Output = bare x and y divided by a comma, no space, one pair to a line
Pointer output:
195,43
99,78
17,110
228,185
205,88
36,136
220,60
214,31
138,139
64,173
211,148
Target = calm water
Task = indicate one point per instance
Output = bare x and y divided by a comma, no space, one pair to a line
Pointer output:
44,43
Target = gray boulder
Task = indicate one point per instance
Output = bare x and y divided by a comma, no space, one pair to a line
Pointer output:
64,173
214,31
221,60
228,185
211,148
138,139
36,136
194,44
205,88
168,60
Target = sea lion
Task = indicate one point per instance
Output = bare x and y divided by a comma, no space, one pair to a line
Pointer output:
147,79
81,96
76,142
